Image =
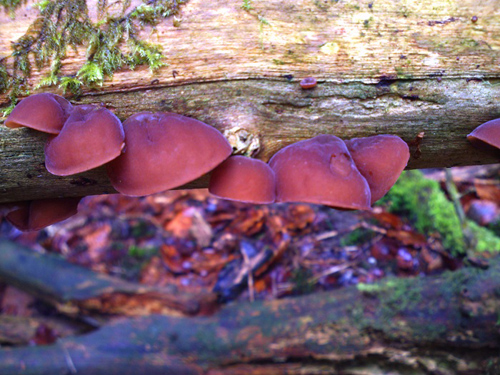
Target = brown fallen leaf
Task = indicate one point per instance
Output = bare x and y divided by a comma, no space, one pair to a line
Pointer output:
388,220
488,189
191,223
407,237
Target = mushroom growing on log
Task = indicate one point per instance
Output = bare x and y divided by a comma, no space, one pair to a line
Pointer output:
486,136
43,112
40,213
320,170
90,137
380,159
243,179
164,151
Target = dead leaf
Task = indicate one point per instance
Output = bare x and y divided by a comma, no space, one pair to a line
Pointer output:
433,260
488,189
383,250
190,222
97,242
250,221
389,220
299,216
408,238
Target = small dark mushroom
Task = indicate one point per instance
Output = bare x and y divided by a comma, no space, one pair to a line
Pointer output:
308,83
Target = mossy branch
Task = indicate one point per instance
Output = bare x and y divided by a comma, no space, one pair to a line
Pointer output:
432,325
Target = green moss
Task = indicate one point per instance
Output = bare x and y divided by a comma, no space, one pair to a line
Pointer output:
4,78
371,289
10,6
424,203
395,295
469,43
112,43
301,278
400,72
142,252
247,5
71,84
486,240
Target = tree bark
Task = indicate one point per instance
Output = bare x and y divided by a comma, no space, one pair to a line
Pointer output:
383,67
435,325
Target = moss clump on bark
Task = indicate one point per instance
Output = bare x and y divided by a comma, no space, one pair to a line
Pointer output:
424,203
113,42
10,6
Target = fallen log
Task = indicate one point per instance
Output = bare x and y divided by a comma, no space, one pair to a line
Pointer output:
75,289
381,68
447,324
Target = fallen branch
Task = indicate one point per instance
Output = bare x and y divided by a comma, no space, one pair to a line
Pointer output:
434,325
75,289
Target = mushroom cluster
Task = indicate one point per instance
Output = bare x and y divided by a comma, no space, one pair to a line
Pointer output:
325,170
347,175
149,153
154,152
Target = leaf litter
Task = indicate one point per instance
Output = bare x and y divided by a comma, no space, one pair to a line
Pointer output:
200,243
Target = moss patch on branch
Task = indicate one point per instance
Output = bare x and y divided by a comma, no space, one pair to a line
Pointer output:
113,42
424,203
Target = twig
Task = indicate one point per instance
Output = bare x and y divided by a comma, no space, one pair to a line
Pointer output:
329,272
248,266
467,235
69,361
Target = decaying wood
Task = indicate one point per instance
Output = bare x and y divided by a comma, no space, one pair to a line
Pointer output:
75,289
19,330
435,325
383,67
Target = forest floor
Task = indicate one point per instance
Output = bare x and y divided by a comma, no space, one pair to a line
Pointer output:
240,251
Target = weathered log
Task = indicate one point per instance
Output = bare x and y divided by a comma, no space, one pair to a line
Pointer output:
435,325
20,330
382,67
75,289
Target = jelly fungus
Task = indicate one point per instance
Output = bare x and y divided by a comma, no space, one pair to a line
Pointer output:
243,179
91,137
320,170
164,151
